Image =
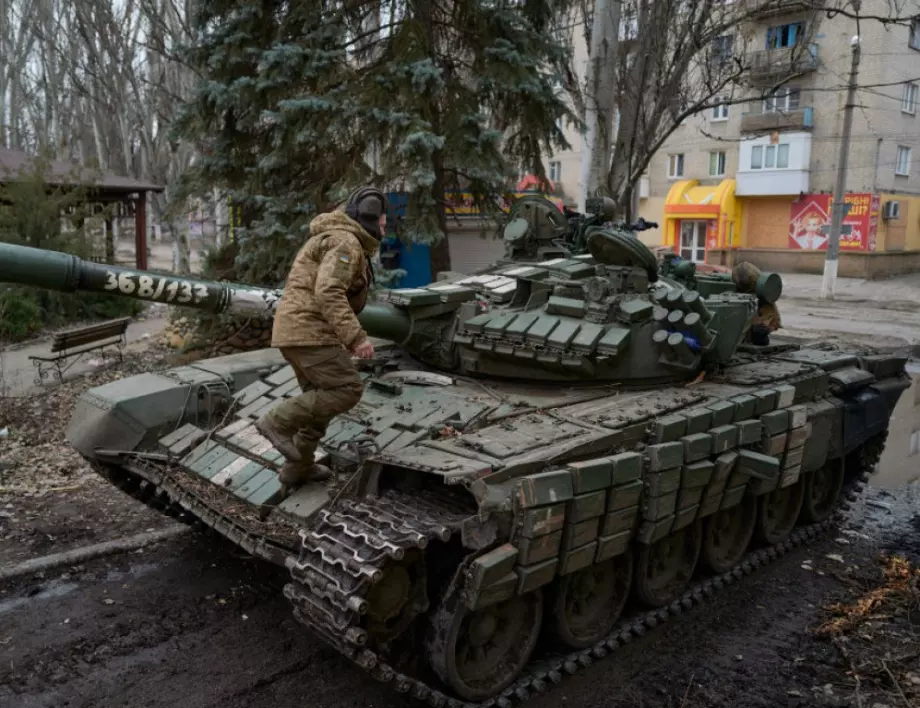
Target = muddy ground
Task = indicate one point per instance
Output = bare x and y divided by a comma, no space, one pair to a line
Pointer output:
193,622
50,500
190,622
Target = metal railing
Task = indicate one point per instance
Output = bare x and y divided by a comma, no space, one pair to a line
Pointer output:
771,63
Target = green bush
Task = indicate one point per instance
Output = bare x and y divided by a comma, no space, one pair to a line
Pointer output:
20,315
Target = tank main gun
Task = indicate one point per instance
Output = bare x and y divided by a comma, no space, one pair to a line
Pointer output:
64,272
67,273
603,315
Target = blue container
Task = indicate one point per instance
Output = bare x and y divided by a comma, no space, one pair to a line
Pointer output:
414,258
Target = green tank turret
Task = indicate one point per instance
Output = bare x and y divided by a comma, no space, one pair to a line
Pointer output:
554,456
604,315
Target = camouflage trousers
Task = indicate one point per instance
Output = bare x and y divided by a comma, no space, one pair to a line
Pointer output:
331,386
768,316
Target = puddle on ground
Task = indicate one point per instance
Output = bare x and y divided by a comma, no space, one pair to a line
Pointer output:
900,463
53,589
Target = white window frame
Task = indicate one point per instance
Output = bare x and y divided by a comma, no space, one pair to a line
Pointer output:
721,111
769,156
779,153
782,100
676,165
555,171
720,159
909,99
902,166
913,38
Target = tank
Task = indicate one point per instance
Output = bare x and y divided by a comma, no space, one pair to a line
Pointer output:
551,457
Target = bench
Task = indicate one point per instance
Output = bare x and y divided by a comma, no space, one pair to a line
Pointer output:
68,347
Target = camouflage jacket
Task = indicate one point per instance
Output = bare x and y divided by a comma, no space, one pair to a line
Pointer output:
327,286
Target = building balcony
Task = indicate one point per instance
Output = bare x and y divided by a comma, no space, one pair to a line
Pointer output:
771,166
771,183
770,65
760,121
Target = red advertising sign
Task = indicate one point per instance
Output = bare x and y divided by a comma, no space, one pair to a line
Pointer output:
810,221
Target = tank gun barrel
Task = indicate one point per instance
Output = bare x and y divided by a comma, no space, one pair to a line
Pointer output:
64,272
67,273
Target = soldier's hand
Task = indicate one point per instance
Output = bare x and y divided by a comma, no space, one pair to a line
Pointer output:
365,350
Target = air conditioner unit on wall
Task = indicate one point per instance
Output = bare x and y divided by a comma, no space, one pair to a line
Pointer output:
891,210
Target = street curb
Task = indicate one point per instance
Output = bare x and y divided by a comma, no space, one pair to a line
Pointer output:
85,553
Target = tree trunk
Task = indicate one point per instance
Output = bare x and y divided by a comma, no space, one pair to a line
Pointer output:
221,219
109,241
600,100
439,253
181,258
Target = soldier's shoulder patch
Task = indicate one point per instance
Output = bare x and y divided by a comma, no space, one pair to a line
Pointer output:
344,258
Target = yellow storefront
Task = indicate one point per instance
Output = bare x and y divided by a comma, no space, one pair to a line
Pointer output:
699,218
709,223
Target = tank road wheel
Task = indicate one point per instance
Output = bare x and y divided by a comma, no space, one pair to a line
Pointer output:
586,604
823,487
664,568
727,535
480,653
777,513
398,597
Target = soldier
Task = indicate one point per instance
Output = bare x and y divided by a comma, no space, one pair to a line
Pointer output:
316,328
767,319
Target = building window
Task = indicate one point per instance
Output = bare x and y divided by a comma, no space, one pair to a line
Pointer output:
555,171
909,101
782,156
676,165
717,163
783,36
722,50
785,98
902,167
913,41
721,110
770,157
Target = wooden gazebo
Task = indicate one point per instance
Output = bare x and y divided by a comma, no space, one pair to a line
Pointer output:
104,188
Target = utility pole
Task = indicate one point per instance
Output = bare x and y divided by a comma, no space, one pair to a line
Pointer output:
840,208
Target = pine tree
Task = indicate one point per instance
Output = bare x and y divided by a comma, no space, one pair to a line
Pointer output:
295,97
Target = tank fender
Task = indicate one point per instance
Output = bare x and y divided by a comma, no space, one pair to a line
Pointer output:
867,412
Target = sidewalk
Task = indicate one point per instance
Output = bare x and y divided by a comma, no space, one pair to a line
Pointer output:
904,289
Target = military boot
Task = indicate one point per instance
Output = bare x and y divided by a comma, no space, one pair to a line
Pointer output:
293,474
282,442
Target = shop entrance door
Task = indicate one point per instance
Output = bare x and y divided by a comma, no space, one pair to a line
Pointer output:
693,241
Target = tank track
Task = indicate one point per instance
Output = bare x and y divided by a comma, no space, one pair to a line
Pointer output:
146,492
308,593
343,555
329,587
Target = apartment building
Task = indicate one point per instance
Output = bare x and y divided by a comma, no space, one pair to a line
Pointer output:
753,177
